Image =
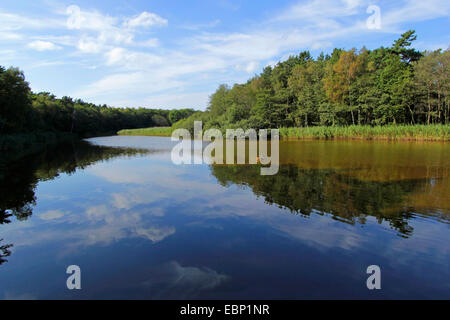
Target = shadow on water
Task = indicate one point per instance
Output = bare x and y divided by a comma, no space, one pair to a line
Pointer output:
18,179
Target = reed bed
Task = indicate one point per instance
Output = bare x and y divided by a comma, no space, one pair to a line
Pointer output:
388,132
155,131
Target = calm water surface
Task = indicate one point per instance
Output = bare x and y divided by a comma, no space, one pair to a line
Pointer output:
142,228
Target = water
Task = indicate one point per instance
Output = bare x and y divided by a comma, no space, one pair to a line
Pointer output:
140,227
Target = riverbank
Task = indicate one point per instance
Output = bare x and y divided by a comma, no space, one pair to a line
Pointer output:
155,131
389,132
15,146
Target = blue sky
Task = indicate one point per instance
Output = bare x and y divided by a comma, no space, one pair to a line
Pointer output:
174,54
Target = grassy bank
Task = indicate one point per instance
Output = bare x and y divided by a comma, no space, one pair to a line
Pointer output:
388,132
155,131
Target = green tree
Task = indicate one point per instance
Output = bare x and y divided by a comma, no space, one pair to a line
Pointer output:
432,75
14,100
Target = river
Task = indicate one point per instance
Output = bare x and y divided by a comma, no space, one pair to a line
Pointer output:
141,227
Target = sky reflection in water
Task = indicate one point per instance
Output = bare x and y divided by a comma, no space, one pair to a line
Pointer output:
142,228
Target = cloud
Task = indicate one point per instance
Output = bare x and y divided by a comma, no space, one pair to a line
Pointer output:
15,22
88,20
415,11
52,215
10,35
104,30
172,280
135,68
146,19
122,86
149,43
155,234
131,59
43,46
251,67
97,213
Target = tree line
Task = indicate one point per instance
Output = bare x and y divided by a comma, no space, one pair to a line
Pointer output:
394,85
22,111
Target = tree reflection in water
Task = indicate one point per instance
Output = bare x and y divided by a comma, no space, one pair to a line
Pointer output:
329,191
19,178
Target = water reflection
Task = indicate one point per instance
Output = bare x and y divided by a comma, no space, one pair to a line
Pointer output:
18,179
4,252
142,228
333,192
174,281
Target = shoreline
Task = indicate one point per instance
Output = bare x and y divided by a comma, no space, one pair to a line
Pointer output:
420,133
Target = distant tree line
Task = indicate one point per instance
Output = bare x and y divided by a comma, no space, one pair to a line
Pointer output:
22,111
395,85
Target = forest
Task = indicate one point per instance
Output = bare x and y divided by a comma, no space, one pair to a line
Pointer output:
397,85
22,111
385,86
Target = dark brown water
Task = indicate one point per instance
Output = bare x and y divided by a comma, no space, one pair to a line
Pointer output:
140,227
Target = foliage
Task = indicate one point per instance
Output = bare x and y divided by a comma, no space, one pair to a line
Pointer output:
177,115
385,86
24,112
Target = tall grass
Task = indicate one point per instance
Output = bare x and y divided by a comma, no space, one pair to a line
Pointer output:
156,131
388,132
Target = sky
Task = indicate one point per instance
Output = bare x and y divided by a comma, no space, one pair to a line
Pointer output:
174,54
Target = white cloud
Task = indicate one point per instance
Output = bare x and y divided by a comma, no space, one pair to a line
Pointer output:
172,280
352,3
89,45
319,11
155,234
96,213
252,66
64,40
131,59
14,22
149,43
146,19
134,67
415,11
40,45
52,215
115,55
4,35
103,30
94,20
111,84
